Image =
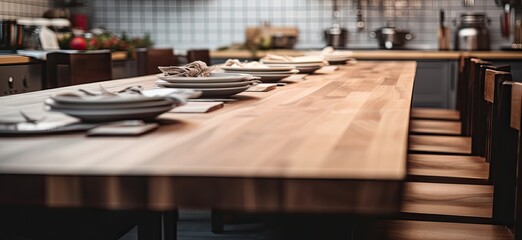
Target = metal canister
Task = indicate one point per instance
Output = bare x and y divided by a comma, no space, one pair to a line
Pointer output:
472,32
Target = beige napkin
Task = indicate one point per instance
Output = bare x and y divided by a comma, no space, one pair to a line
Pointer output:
262,87
198,107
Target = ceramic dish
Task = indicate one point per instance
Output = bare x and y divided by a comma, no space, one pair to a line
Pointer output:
269,69
126,105
108,115
222,92
214,77
204,85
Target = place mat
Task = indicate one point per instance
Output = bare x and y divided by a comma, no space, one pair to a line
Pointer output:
198,107
295,77
262,87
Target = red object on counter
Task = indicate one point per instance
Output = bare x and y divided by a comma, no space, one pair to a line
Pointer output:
79,21
78,43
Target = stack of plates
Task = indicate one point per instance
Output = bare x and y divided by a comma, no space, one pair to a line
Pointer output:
106,108
303,66
216,85
337,59
266,74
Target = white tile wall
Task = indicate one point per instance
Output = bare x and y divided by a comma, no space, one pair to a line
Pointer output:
23,8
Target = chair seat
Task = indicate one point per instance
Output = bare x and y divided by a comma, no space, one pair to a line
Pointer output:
440,144
448,168
455,201
435,127
425,230
435,114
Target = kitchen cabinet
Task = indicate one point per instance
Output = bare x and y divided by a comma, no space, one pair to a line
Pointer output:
435,84
20,78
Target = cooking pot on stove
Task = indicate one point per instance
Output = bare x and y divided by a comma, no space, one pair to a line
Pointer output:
10,35
336,36
472,32
391,37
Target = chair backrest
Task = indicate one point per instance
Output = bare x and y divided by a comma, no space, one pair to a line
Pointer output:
198,55
474,119
462,77
516,112
65,69
501,144
149,59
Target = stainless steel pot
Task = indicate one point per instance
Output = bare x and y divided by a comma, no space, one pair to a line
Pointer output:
336,37
472,32
10,35
390,37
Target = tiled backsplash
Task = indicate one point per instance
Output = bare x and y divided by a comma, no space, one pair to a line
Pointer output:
214,23
23,8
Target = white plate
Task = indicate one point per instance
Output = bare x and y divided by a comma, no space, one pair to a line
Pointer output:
292,63
114,114
203,85
269,69
293,71
222,92
71,99
214,77
308,69
126,105
270,78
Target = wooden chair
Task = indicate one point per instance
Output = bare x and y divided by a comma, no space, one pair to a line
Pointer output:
457,168
459,145
199,55
505,100
149,59
66,69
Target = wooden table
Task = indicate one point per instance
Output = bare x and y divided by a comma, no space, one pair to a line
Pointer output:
333,143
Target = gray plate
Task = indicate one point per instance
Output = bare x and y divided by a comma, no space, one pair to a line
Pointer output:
203,85
109,115
222,92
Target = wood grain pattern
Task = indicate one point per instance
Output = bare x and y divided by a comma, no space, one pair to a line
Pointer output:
350,125
435,127
415,230
435,114
440,144
516,104
449,168
448,199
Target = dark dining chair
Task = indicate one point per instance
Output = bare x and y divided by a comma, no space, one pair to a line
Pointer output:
199,55
66,69
469,214
148,60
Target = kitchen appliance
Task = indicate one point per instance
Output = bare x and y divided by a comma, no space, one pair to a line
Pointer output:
391,37
267,36
336,36
10,35
444,33
283,41
472,32
20,78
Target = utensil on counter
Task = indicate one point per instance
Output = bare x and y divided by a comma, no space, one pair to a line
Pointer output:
472,32
443,34
505,21
391,37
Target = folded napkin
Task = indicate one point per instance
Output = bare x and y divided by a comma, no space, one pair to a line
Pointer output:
193,69
178,95
238,64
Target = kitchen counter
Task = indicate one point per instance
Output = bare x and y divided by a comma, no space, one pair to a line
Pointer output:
377,54
13,59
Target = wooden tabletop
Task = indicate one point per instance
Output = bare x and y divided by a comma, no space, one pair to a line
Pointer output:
335,142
